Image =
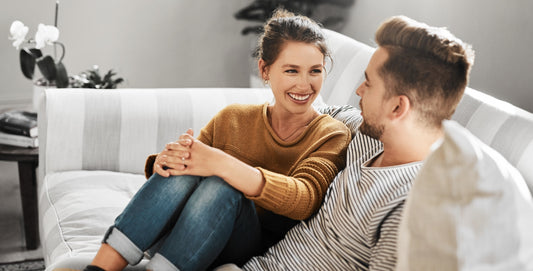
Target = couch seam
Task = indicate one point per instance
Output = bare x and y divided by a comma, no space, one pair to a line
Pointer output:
60,229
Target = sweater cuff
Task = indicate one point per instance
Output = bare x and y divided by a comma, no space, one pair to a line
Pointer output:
149,166
275,192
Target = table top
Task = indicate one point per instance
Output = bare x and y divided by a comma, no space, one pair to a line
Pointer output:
14,153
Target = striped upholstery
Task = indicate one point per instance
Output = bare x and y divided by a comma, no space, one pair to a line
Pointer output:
345,71
116,129
94,143
503,126
76,207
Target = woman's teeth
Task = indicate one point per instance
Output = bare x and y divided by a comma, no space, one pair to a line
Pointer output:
299,97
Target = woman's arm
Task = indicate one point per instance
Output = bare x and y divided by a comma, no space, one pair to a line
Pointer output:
300,194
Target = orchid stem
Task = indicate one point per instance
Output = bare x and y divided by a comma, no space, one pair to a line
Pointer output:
55,24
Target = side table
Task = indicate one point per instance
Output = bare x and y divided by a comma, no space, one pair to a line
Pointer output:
27,159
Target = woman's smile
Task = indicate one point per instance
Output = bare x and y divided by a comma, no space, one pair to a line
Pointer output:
299,98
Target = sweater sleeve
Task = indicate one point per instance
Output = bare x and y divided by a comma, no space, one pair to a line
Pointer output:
300,194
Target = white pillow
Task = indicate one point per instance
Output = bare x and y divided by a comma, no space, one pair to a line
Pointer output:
468,209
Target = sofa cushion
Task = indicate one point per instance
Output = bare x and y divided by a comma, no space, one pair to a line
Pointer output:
77,207
468,209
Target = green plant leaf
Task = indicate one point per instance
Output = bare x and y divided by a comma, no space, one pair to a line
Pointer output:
108,75
27,63
36,53
47,67
61,75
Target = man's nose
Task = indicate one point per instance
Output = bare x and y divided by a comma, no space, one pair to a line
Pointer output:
359,91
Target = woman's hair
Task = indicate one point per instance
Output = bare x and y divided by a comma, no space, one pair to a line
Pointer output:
427,64
285,26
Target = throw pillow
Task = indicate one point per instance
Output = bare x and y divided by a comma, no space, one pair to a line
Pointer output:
468,209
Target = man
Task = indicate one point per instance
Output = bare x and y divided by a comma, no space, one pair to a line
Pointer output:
414,81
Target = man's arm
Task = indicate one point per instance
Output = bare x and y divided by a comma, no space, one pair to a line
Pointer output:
384,253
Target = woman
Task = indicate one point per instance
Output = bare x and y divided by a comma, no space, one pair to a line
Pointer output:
267,167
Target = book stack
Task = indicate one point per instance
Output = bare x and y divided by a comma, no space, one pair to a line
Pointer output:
19,128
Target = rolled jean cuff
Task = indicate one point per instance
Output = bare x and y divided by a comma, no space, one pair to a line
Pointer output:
123,245
158,262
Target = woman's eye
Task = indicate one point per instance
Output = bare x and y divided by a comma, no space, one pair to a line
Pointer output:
367,84
291,71
316,71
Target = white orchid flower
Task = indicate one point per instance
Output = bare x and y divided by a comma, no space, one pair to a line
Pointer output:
18,33
46,34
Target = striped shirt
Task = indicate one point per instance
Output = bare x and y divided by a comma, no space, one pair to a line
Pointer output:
356,227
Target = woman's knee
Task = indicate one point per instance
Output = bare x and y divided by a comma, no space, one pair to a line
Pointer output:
215,191
172,184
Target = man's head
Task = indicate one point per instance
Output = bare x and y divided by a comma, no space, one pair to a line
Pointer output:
425,67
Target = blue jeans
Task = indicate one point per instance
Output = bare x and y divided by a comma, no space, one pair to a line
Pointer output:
193,221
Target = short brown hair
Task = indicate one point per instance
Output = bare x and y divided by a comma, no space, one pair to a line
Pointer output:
427,64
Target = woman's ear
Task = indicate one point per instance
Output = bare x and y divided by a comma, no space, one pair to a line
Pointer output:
263,70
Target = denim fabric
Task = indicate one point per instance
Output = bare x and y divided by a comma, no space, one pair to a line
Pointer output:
193,220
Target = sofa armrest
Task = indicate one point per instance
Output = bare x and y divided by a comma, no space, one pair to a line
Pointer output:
88,129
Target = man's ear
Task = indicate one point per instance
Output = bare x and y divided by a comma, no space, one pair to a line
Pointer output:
401,107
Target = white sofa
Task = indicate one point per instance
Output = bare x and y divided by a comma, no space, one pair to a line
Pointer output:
94,144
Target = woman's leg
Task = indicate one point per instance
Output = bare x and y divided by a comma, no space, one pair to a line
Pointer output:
212,214
152,211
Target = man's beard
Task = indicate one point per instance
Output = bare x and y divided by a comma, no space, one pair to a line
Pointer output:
373,131
370,130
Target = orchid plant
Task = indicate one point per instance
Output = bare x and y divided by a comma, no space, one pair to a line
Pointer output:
54,72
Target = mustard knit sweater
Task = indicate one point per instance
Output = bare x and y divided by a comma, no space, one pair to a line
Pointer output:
296,173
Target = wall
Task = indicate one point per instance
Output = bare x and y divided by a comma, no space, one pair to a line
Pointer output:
196,43
499,31
159,43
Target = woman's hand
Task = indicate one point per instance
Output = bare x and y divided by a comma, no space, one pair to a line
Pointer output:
170,161
188,156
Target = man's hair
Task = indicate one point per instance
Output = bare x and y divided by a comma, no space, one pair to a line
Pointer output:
427,64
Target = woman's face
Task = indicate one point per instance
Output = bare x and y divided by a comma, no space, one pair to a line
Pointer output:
296,76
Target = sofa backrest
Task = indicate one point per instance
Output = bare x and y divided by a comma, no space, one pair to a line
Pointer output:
89,129
501,125
345,70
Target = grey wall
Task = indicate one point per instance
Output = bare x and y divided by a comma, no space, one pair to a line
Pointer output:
196,43
501,33
157,43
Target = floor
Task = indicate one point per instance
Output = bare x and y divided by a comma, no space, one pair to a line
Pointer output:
12,243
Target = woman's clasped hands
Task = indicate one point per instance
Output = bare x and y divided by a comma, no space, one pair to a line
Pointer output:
187,156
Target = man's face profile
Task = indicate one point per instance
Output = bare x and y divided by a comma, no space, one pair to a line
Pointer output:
372,92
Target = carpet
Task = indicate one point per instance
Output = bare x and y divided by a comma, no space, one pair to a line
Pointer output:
30,265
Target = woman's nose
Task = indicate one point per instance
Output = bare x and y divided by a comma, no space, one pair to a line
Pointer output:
303,82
